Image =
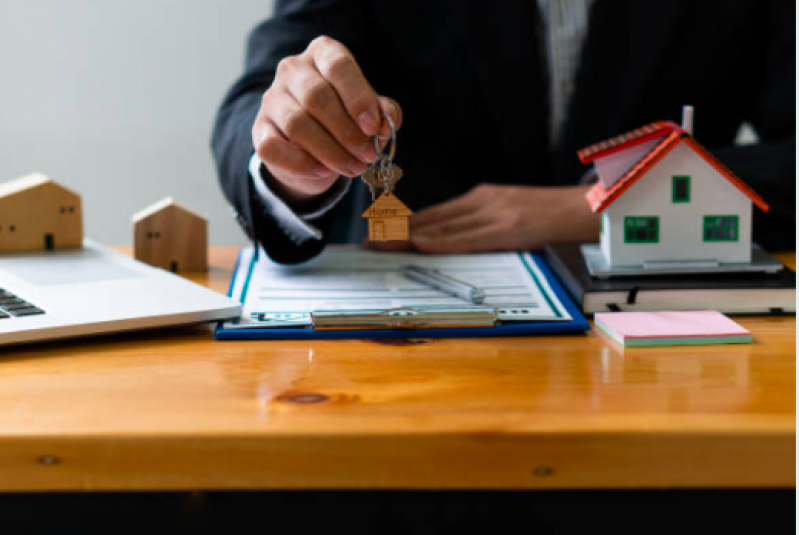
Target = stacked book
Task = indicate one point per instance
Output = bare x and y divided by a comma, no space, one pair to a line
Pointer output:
731,293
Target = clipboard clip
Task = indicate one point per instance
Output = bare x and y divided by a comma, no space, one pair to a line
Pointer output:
405,318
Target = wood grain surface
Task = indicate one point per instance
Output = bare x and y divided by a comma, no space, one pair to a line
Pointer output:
174,409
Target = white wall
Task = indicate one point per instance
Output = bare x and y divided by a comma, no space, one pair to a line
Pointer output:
116,98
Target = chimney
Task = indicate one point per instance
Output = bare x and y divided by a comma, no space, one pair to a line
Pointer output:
688,119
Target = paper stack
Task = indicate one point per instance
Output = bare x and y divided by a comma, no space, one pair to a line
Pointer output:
670,328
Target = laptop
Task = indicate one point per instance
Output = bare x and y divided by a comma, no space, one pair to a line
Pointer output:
95,290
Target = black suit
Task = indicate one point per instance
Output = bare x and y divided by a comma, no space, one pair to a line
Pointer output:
471,78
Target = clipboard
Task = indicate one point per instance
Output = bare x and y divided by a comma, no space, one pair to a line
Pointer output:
577,324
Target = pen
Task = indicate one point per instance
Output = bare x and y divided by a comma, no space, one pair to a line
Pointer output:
445,283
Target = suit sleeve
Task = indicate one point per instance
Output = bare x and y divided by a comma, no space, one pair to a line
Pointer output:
294,25
770,166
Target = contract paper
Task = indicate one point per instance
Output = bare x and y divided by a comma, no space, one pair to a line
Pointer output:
352,278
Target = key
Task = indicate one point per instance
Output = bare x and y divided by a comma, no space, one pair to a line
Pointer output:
389,175
370,178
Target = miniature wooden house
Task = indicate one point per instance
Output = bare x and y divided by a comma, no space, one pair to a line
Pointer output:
388,219
170,236
38,214
664,198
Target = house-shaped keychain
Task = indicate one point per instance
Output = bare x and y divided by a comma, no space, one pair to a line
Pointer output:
388,219
38,214
669,206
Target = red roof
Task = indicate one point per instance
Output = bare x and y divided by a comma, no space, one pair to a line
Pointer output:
634,137
600,197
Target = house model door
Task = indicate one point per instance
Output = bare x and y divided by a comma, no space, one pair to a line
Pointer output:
379,231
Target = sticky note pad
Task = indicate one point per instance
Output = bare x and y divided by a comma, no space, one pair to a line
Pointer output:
671,328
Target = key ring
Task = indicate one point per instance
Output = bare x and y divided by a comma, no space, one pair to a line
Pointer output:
380,156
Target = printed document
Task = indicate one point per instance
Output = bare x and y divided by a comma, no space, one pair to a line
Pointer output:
353,278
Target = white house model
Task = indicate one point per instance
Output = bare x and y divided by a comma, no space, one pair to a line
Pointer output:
663,198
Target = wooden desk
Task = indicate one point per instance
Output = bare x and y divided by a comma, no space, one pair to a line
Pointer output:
177,410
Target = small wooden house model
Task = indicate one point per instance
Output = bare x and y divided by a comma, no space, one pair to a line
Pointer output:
38,214
170,236
664,198
388,219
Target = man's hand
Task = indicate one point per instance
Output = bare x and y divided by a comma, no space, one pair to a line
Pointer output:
504,218
317,121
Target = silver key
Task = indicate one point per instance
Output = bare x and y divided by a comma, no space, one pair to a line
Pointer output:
389,174
381,177
371,179
383,174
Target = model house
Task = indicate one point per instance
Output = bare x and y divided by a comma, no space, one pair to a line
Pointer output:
665,199
170,236
388,219
38,214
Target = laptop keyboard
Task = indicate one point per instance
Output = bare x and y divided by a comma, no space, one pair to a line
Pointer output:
12,306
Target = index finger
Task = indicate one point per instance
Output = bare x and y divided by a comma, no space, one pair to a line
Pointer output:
465,204
336,65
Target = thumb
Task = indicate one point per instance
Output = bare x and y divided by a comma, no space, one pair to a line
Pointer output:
391,108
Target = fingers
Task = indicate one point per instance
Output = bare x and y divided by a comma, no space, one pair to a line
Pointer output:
485,238
336,64
449,210
431,237
315,95
289,162
391,108
475,221
456,225
302,129
318,117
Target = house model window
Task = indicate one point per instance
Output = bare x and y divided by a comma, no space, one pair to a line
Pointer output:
720,228
641,229
681,188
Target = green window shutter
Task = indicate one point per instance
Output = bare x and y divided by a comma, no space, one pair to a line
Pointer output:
641,229
720,228
680,188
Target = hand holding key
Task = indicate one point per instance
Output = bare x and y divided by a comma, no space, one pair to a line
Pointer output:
317,120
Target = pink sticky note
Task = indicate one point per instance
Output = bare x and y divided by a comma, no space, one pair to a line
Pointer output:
669,324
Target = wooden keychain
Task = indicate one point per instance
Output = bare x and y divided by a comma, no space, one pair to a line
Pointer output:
388,216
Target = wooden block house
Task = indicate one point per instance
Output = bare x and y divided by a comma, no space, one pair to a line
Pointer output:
170,236
38,214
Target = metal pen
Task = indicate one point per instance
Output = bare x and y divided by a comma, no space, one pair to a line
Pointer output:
445,283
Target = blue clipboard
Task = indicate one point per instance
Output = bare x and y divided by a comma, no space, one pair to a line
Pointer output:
578,323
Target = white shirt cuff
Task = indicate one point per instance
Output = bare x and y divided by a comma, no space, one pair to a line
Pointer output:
297,226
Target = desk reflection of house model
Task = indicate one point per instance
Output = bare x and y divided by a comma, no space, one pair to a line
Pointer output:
669,206
38,214
170,236
388,219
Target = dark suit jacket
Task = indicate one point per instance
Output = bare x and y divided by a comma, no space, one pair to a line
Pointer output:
471,78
